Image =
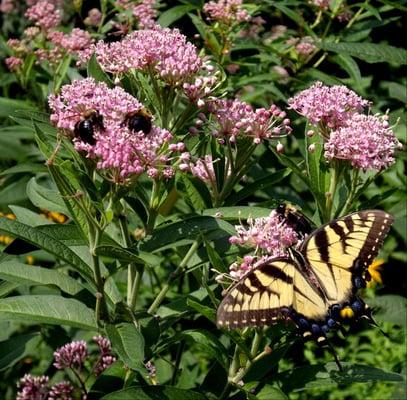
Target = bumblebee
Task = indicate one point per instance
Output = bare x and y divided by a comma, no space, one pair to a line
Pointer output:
295,219
85,128
139,121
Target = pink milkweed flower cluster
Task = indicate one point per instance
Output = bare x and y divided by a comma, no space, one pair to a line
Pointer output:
367,141
72,355
121,154
305,46
322,4
13,63
200,89
232,119
33,387
45,15
7,6
270,236
37,388
144,11
203,168
165,52
227,12
77,40
105,358
94,17
61,391
331,106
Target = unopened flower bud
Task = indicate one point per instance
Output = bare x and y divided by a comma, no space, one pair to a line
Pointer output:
280,147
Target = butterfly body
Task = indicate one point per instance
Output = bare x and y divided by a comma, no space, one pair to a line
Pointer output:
316,285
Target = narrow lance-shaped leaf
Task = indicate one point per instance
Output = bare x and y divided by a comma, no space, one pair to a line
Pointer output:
47,243
48,309
33,275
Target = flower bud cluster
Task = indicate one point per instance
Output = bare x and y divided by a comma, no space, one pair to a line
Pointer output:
72,355
106,358
227,12
232,119
45,15
37,388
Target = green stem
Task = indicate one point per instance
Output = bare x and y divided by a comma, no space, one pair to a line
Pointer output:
136,287
164,290
131,268
178,357
101,307
352,192
81,382
331,192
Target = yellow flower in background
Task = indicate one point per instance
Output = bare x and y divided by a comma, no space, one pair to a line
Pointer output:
54,216
4,239
374,270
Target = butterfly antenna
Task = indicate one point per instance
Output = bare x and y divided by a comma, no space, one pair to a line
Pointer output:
333,352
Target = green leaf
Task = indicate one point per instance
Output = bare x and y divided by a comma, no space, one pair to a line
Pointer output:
14,193
396,91
214,258
69,191
197,194
9,106
168,17
302,378
44,198
154,393
271,392
95,71
16,348
189,228
47,243
213,347
33,275
128,255
390,308
369,52
377,199
351,67
25,168
259,184
47,309
129,344
207,312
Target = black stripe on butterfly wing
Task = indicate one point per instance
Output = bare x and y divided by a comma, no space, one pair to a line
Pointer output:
381,223
258,297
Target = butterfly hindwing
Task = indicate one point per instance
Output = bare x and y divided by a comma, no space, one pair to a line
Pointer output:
258,297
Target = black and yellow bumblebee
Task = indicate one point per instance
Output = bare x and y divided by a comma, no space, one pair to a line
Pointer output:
85,128
140,120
